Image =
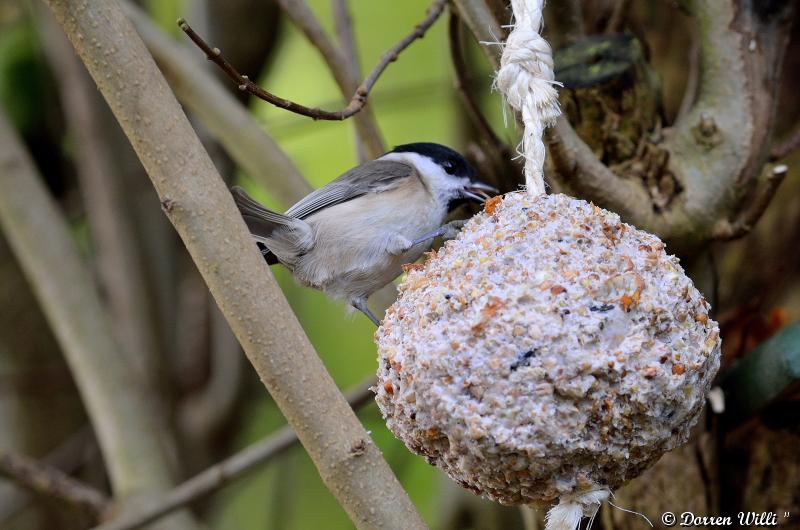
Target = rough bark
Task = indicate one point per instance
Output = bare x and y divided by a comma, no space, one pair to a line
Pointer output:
715,151
199,205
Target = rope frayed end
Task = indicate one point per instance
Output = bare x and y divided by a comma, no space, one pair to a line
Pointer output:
569,511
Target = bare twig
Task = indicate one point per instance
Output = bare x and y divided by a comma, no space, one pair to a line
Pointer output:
462,82
223,473
358,100
243,138
786,147
51,482
744,223
343,24
199,205
72,453
340,67
119,408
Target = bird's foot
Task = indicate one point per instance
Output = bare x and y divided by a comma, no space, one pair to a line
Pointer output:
447,231
361,305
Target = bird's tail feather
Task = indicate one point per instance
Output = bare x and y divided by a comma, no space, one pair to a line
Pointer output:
261,221
280,235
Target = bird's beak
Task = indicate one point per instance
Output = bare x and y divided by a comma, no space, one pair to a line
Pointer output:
479,192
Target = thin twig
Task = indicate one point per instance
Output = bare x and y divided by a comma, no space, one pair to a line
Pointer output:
53,483
744,223
221,113
358,100
786,147
222,473
336,59
462,83
77,449
343,23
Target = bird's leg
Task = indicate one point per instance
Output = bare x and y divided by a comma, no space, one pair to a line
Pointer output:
446,231
361,305
398,245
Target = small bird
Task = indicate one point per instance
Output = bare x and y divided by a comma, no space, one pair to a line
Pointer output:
352,236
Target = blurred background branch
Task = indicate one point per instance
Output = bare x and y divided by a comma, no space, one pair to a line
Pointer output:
122,414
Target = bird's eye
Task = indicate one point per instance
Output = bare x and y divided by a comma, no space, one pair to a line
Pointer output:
449,167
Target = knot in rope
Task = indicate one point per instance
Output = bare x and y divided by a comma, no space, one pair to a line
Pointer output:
527,82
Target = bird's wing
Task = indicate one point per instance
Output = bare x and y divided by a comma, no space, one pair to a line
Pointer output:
372,177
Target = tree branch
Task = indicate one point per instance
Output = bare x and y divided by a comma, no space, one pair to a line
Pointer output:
339,65
118,406
786,147
225,472
482,21
462,82
584,173
748,217
51,482
359,99
202,210
244,138
343,25
715,152
71,454
119,262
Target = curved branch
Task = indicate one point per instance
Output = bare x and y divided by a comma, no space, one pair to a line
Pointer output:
340,66
477,117
359,99
482,21
202,210
747,218
584,173
230,122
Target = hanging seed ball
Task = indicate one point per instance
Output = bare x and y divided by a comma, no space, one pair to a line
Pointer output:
549,349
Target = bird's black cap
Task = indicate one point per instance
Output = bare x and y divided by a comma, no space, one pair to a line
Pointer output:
450,159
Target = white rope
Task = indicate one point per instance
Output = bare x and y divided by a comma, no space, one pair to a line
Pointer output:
526,79
571,508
